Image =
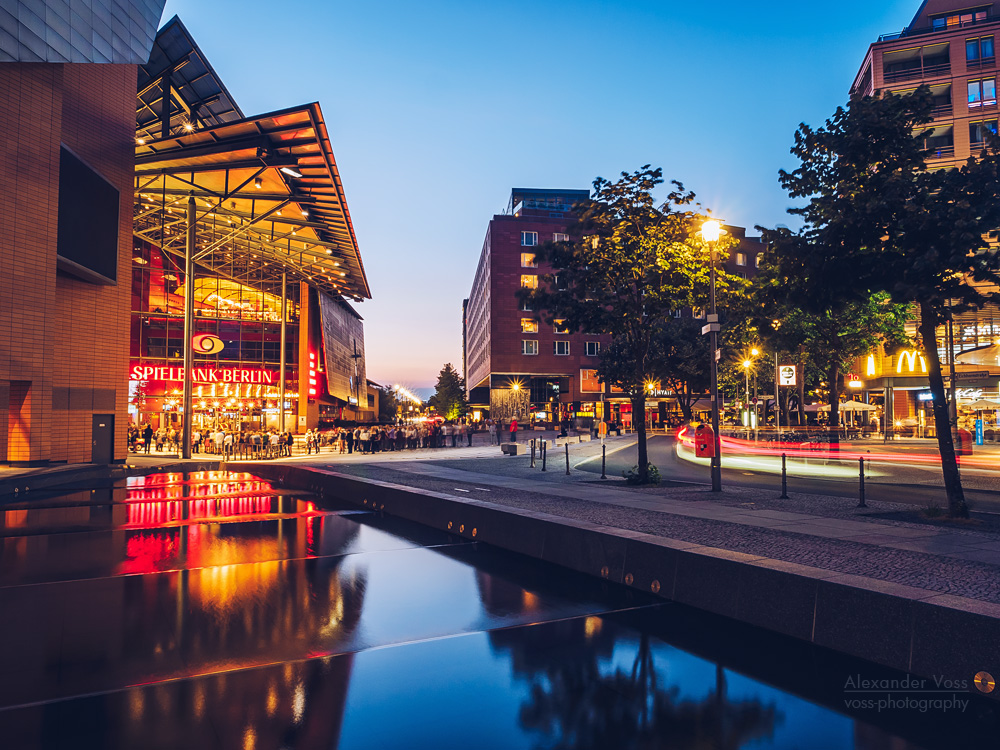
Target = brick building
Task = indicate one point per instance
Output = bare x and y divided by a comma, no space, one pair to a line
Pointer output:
68,118
514,362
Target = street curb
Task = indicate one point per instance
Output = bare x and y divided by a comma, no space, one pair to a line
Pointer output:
912,630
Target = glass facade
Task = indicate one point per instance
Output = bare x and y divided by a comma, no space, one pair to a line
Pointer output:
235,388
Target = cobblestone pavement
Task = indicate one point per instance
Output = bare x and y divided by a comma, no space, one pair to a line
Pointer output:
934,572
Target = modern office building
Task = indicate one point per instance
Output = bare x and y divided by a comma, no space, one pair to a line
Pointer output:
515,363
93,229
949,45
67,114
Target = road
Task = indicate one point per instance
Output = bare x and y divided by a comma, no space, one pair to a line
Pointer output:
891,482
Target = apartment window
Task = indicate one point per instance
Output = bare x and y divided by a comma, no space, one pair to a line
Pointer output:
529,281
756,261
529,347
560,237
741,259
529,239
529,325
983,93
954,20
561,348
593,348
698,312
559,326
978,51
526,306
979,132
528,260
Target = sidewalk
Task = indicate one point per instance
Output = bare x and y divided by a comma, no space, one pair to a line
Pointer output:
962,561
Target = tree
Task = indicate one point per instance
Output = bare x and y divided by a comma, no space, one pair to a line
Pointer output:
877,221
449,394
627,266
388,404
681,361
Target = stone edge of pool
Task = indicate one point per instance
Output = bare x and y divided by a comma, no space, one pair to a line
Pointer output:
920,632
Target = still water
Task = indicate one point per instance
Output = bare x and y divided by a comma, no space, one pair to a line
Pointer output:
210,610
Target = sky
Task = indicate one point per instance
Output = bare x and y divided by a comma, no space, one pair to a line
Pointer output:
437,109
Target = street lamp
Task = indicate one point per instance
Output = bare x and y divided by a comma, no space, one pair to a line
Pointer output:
711,231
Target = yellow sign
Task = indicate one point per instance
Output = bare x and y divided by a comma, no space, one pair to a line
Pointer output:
907,362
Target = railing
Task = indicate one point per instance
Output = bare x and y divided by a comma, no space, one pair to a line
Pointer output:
941,152
927,71
941,110
933,30
982,62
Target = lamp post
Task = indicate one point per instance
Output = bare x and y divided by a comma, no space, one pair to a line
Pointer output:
710,232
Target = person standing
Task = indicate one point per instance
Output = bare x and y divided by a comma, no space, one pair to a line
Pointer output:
147,436
513,429
492,427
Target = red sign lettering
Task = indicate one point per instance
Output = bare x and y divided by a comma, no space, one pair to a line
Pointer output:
203,375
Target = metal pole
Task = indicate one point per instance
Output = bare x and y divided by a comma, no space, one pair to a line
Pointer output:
566,446
545,453
717,458
532,453
192,224
953,407
281,374
784,477
861,486
604,462
777,397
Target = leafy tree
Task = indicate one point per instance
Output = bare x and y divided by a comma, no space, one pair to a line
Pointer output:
681,361
877,221
449,394
627,265
388,404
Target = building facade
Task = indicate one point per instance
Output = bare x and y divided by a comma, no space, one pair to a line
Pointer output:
66,227
950,46
515,363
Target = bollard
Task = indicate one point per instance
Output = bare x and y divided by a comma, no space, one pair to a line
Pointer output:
545,452
604,461
861,486
784,477
532,453
566,446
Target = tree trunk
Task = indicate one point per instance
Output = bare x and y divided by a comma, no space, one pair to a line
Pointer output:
639,423
833,424
802,385
957,507
685,399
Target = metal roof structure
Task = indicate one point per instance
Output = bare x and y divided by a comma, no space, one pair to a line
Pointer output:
267,187
179,87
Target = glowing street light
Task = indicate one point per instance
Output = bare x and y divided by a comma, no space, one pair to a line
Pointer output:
711,231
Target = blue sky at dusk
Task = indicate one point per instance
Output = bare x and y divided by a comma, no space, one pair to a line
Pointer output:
437,109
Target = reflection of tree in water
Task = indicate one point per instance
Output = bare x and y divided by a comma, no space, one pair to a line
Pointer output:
577,702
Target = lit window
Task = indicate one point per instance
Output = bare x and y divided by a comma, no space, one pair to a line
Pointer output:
529,282
978,50
593,349
741,259
529,239
529,347
559,326
979,132
528,260
560,237
982,93
529,325
561,348
756,261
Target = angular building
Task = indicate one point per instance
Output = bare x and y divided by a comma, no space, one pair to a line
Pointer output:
68,118
516,364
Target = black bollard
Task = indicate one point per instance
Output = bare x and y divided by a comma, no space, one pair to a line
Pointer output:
532,453
784,477
566,446
604,461
861,486
545,452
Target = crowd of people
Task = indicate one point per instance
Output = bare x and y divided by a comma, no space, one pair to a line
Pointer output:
227,443
385,438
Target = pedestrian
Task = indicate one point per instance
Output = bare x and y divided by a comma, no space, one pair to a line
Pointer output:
147,436
513,429
469,429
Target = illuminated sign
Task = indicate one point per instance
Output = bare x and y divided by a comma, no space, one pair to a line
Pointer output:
907,362
206,343
786,375
203,375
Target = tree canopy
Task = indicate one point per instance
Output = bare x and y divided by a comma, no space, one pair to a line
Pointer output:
449,394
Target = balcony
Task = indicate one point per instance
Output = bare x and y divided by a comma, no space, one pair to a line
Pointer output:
981,64
941,152
917,72
923,30
941,111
